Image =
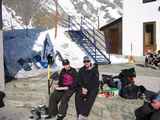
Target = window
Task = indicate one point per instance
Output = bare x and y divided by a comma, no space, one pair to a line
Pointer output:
146,1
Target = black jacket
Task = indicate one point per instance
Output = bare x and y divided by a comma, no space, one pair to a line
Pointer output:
88,78
147,112
73,73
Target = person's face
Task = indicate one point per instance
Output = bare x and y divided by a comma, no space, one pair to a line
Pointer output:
130,78
156,104
87,63
66,66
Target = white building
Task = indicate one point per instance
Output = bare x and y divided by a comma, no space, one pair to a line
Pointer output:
141,26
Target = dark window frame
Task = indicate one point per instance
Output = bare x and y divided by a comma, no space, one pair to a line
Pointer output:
148,1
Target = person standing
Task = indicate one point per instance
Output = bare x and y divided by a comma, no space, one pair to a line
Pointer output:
88,87
58,102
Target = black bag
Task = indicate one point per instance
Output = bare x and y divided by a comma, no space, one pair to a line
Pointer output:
108,79
50,59
2,95
132,91
24,64
129,92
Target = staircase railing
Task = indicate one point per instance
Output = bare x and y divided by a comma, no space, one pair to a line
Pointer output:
91,31
90,39
97,48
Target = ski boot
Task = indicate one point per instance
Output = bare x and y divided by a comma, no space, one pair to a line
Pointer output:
35,114
44,112
60,117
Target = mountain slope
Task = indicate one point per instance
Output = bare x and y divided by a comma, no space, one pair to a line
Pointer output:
41,13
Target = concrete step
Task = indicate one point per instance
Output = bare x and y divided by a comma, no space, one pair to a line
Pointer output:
27,86
26,104
27,92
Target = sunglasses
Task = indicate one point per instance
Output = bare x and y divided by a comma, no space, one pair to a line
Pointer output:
65,64
86,61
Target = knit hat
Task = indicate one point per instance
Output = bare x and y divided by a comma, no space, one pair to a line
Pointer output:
129,72
85,58
65,62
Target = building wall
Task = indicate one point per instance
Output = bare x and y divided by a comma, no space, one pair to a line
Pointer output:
135,14
1,63
107,31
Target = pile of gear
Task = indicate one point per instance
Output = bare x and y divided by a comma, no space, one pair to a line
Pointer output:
125,83
152,59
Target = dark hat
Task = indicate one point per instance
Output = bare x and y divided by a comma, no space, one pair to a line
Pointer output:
86,58
65,62
129,72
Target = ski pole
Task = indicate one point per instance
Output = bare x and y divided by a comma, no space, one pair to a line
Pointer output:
49,76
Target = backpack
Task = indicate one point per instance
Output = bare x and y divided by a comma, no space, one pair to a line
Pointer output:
109,80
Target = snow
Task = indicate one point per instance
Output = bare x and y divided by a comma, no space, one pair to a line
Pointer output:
67,6
117,59
9,21
70,10
50,5
114,12
64,44
96,4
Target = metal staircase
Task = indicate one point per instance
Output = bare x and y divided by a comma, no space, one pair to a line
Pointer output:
89,40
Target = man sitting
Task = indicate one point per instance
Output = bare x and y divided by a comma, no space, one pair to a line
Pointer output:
128,88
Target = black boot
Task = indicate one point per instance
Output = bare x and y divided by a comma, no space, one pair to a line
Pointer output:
35,114
60,117
44,112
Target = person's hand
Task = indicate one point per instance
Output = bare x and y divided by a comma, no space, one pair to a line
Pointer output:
155,104
84,91
55,86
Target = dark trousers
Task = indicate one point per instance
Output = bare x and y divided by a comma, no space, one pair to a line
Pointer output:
58,102
84,105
